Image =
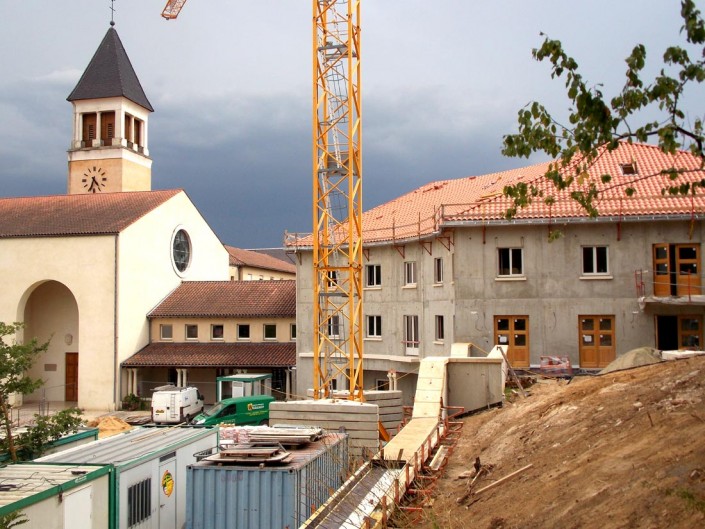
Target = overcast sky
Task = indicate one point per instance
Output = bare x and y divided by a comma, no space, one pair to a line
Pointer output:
230,81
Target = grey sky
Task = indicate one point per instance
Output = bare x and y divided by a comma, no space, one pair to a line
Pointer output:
230,81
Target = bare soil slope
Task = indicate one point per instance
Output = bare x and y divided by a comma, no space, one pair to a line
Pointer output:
625,449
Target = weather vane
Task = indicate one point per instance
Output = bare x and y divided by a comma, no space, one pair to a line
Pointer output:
112,12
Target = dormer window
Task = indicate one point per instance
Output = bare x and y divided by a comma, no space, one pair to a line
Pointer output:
628,169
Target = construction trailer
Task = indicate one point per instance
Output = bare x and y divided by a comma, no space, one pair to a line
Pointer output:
57,495
260,496
149,482
243,385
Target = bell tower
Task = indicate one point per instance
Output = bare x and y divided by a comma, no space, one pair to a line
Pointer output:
109,150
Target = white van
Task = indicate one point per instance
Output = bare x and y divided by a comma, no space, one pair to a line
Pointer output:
171,404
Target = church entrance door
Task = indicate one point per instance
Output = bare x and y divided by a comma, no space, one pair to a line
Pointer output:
71,377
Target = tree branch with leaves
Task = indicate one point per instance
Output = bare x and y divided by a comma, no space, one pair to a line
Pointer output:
15,361
597,125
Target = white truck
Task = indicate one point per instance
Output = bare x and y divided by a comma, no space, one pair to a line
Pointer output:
172,404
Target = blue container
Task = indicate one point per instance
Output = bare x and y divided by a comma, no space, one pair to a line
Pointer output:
226,496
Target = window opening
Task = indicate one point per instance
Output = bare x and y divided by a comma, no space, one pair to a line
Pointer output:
510,262
166,332
139,502
409,272
374,326
217,332
270,331
438,270
373,276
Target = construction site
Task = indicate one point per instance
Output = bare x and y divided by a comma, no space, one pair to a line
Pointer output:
489,440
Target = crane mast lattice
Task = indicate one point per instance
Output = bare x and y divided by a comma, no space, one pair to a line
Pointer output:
337,195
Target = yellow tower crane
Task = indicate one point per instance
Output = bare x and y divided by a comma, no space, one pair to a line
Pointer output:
337,195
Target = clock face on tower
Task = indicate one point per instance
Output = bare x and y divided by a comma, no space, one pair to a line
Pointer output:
94,179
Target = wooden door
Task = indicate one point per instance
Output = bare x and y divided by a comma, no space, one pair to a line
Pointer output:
662,274
690,333
687,267
676,269
597,341
71,393
513,331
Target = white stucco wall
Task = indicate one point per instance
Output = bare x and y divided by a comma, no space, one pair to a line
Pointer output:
115,282
84,266
146,272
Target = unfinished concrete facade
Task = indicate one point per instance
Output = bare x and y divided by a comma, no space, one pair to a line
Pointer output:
544,284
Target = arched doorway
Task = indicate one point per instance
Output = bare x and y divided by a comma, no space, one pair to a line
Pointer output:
51,314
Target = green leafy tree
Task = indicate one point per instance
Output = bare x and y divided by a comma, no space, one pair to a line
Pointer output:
15,361
47,428
597,124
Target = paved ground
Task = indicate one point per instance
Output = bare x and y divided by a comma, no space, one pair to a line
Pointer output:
24,415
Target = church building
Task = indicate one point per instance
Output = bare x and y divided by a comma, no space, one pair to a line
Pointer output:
83,270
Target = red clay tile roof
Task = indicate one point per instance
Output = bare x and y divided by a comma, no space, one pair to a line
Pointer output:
479,199
90,214
265,354
240,257
234,299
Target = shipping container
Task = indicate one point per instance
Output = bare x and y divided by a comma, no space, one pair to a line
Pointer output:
150,472
226,496
57,496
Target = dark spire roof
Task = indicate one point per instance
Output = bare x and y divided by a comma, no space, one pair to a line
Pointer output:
110,74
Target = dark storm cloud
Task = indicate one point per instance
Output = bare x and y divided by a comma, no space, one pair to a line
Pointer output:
442,84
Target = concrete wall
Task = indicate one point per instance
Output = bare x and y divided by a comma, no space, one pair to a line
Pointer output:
474,383
552,292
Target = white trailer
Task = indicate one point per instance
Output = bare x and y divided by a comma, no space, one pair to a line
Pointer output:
57,496
149,480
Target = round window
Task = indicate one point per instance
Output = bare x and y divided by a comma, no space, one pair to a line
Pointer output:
181,250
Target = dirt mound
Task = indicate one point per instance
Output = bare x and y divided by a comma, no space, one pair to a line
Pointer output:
109,425
642,356
623,450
